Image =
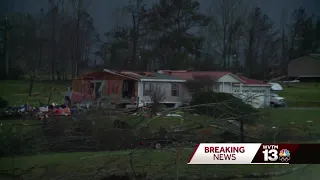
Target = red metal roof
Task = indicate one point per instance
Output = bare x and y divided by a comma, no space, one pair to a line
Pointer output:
131,74
137,74
92,76
182,74
189,75
252,81
99,75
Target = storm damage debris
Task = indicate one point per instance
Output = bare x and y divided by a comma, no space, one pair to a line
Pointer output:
44,111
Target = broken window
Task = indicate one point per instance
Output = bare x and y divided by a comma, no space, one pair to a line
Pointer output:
174,89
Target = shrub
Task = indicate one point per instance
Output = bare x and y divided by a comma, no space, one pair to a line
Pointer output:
106,140
14,141
227,106
3,103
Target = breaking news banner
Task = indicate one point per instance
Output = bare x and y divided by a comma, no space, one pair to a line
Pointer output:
255,153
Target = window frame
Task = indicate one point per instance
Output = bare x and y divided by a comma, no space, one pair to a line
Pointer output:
174,89
147,92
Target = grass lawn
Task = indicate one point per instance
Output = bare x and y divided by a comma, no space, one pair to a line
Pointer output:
16,92
157,163
283,116
162,163
302,94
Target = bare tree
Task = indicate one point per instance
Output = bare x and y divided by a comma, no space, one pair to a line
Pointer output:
260,39
54,10
157,95
79,13
136,10
224,30
4,29
299,16
284,36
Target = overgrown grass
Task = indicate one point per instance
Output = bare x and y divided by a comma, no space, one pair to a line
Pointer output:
16,92
156,163
299,117
302,94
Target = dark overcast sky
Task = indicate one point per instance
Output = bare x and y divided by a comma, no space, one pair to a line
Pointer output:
103,10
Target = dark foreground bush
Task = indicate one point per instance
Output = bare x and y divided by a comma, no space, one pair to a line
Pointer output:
224,106
3,103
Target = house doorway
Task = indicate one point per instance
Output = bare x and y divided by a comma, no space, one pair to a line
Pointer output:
128,89
96,86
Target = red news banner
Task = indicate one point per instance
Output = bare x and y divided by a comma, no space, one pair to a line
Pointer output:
255,153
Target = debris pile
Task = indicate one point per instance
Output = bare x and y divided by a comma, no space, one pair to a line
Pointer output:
44,111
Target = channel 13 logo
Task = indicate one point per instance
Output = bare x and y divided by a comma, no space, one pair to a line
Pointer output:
271,153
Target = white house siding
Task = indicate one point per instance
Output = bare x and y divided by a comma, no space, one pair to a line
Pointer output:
186,96
257,96
166,87
225,83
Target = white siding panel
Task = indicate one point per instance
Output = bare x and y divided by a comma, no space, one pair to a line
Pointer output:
256,96
228,78
166,88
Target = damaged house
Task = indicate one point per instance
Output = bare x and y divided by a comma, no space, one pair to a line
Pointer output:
136,88
125,87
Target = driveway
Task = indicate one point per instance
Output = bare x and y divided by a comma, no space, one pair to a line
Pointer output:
303,108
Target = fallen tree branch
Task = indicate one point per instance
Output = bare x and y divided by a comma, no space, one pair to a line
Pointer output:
176,109
8,173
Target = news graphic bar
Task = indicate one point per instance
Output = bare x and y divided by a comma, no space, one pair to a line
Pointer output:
288,153
255,153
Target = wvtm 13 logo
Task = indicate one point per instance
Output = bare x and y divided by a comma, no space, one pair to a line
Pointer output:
271,153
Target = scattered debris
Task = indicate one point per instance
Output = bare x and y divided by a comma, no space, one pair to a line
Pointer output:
173,115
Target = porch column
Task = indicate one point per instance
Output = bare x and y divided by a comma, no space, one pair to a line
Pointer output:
222,86
231,87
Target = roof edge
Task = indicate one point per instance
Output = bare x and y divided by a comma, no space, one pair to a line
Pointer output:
235,76
119,74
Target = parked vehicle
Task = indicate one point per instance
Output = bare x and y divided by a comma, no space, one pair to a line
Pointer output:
276,87
277,101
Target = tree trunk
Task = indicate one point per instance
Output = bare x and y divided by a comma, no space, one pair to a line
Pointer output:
78,40
250,53
241,131
58,75
6,49
31,82
53,44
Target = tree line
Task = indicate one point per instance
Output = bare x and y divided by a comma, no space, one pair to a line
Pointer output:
231,35
56,42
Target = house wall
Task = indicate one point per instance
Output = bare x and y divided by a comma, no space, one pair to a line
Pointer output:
256,96
166,88
81,86
224,84
112,84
